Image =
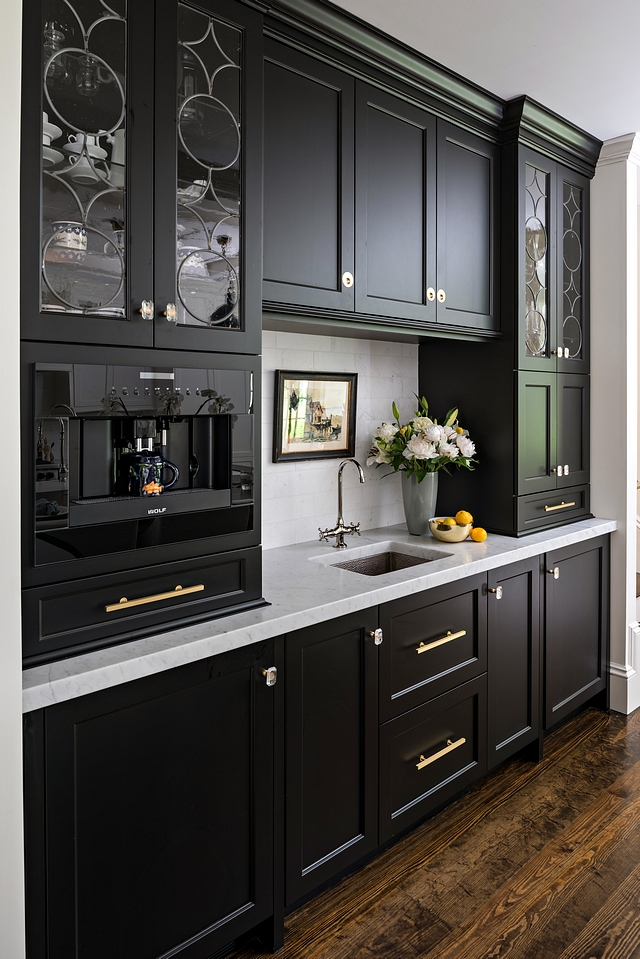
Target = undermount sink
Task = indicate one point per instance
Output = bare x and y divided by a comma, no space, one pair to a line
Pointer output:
379,558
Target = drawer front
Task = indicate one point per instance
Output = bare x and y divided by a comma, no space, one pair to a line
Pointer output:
432,642
430,754
73,617
554,508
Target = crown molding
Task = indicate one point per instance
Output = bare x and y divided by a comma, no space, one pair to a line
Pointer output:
620,149
533,125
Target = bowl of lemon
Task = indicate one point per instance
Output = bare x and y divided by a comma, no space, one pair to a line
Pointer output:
455,530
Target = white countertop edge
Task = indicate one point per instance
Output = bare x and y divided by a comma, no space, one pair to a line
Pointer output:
292,606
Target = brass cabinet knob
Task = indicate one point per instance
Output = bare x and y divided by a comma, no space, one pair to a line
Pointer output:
441,296
431,294
347,279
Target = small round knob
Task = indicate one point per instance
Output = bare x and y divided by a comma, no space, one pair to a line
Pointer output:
441,296
555,572
347,279
431,294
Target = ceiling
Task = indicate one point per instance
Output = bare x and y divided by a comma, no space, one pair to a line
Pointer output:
579,58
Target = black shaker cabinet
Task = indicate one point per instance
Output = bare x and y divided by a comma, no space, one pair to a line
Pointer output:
375,210
513,669
331,750
156,813
576,657
146,140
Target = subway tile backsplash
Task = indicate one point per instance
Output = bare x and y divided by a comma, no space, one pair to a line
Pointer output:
297,498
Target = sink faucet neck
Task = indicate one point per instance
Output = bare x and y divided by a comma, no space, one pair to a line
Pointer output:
340,528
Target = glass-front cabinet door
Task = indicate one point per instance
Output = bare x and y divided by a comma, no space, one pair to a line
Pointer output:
140,226
208,249
553,224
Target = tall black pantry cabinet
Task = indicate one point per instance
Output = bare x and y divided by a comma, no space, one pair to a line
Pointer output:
525,397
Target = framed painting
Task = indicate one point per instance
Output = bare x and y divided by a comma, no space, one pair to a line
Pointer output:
315,415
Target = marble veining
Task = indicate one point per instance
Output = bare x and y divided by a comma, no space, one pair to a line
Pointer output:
301,592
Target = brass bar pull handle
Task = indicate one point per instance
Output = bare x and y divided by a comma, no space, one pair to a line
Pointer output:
442,752
422,648
562,505
172,594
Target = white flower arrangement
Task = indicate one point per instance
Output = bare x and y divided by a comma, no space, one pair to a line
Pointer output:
422,445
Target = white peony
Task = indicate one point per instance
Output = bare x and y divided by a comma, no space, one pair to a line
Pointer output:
421,448
433,433
448,432
420,423
466,446
386,432
448,449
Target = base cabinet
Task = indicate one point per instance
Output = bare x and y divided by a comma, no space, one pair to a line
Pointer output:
513,668
156,814
172,815
331,750
576,607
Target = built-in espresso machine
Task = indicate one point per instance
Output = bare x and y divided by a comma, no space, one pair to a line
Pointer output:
141,499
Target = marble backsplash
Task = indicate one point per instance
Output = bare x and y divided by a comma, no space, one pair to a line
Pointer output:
297,498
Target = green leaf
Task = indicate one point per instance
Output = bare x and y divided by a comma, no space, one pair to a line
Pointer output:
451,417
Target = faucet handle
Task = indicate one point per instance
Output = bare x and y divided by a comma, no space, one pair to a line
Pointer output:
324,533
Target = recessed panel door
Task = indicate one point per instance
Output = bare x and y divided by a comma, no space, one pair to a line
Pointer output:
466,292
308,182
395,207
573,429
536,432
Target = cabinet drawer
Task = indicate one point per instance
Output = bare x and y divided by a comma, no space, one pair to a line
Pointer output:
432,642
73,616
430,754
553,508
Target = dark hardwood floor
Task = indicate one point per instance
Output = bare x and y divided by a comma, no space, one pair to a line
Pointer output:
538,861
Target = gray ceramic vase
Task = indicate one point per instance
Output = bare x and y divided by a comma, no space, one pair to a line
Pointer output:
419,501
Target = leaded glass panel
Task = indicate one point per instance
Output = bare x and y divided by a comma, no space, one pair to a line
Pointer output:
572,271
83,157
536,260
209,169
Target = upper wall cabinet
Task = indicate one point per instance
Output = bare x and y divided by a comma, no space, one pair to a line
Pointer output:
552,267
145,229
373,207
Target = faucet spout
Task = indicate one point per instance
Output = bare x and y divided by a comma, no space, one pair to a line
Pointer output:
340,528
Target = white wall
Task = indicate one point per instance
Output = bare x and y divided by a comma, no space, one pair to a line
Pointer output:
297,498
614,389
11,852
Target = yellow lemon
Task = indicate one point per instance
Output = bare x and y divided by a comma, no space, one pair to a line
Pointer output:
478,534
463,518
449,521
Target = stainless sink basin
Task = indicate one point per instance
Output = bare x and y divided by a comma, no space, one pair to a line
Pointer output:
379,558
380,563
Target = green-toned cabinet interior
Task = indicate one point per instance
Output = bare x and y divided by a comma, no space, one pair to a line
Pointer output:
177,813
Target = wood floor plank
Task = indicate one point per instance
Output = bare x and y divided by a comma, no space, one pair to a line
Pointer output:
614,931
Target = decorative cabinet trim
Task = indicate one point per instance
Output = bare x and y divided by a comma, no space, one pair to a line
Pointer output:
528,122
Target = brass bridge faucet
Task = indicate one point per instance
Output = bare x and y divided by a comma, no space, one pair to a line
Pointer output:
340,529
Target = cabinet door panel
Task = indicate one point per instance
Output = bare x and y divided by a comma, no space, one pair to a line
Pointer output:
395,209
536,432
573,271
467,241
573,428
514,659
208,176
308,177
159,812
331,746
576,626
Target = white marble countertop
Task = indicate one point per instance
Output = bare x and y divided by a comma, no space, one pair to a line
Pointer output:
301,591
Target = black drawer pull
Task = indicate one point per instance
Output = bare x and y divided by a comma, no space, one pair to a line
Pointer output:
172,594
422,648
443,752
